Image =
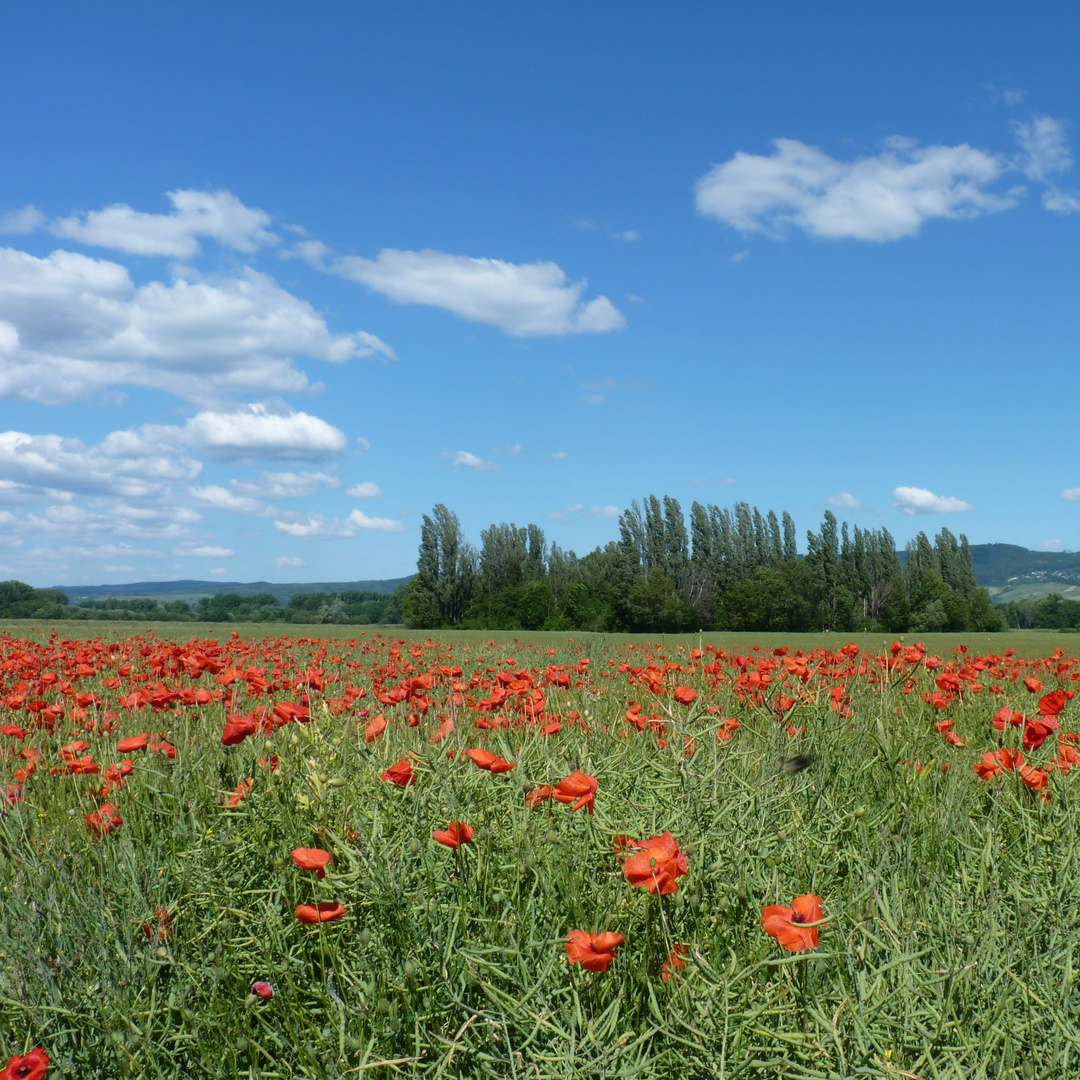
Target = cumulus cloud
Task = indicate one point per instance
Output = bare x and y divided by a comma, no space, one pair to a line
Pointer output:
367,490
284,485
374,524
844,500
217,215
604,511
913,500
26,220
466,460
204,552
123,464
320,527
882,197
215,497
525,300
1049,545
73,326
257,431
288,560
1071,493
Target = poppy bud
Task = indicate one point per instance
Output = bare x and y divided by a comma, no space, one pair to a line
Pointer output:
263,989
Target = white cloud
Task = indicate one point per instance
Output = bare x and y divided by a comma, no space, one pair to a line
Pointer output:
559,455
1071,493
284,485
592,399
288,560
470,461
204,552
511,448
844,500
320,527
1061,202
525,300
913,500
123,464
627,235
740,256
257,431
1049,545
219,571
219,498
26,220
1044,146
218,215
72,326
364,445
604,511
312,526
884,197
374,524
367,490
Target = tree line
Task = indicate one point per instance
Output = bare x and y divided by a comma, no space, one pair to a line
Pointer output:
21,601
720,569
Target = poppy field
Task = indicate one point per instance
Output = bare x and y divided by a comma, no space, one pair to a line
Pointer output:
375,855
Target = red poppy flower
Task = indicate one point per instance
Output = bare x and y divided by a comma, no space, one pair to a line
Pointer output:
1051,704
676,961
317,913
237,729
135,742
998,761
656,865
455,834
578,788
538,795
263,989
312,859
164,926
375,727
32,1066
13,730
594,952
485,759
243,790
1033,685
684,695
13,794
787,924
401,773
104,820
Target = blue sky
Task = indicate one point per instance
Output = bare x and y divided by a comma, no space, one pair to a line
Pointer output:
275,280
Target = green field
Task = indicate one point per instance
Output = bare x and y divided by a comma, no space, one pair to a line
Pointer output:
1024,642
129,948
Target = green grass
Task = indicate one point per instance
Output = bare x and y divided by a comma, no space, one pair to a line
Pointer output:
953,904
1029,643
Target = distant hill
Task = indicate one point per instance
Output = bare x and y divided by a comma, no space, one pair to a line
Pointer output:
1010,566
195,590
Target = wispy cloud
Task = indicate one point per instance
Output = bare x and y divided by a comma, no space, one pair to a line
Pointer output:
524,299
844,500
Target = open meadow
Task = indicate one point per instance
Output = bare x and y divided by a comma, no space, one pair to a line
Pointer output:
240,852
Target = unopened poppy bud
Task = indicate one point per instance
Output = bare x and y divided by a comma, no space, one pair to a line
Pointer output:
161,952
741,891
409,969
782,837
263,989
365,937
414,846
861,812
